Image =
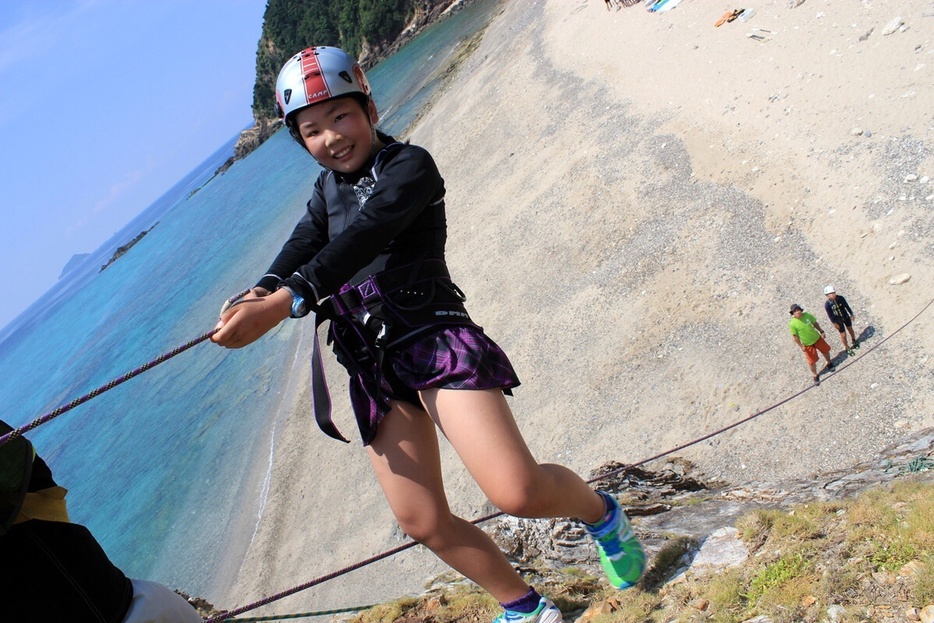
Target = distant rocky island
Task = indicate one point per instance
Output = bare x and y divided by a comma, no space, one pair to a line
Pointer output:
76,259
121,250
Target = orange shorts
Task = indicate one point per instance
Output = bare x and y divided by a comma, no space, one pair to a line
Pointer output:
810,352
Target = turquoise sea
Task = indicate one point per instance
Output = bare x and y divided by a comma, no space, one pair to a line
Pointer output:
156,467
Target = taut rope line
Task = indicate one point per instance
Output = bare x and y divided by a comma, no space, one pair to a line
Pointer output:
51,415
103,388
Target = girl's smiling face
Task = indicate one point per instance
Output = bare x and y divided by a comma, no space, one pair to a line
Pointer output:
339,133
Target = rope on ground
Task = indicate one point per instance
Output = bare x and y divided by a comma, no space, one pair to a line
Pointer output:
51,415
300,615
410,544
320,580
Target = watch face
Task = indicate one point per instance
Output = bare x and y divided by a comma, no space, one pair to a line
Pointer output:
299,308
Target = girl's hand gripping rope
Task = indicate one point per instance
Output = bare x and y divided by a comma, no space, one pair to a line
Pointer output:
236,298
247,317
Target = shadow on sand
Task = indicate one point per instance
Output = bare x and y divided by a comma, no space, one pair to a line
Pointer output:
841,356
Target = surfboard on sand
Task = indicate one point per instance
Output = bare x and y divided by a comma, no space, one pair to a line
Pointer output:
669,4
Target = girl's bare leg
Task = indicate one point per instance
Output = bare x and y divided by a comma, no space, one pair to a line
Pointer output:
480,426
406,459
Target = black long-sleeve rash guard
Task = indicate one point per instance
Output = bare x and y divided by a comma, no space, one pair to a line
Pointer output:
343,239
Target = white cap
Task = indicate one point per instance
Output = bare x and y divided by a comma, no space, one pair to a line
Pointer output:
829,290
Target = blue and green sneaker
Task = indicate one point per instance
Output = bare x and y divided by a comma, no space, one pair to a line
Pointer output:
546,612
621,554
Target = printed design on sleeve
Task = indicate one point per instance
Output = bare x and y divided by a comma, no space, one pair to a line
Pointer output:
363,189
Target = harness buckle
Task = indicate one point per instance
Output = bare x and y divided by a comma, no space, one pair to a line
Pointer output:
382,338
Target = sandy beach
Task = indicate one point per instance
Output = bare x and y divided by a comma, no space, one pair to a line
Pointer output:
634,201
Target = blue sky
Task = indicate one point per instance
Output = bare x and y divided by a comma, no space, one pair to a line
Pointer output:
105,105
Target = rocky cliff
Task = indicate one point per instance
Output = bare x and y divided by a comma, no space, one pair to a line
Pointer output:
426,12
697,532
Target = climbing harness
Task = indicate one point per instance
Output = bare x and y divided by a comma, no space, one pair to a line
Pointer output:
386,311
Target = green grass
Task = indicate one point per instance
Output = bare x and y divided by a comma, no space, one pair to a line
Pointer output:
801,561
776,577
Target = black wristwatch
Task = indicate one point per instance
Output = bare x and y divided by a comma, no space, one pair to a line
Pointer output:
299,307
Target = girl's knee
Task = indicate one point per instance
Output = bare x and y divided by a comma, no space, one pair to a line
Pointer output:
520,500
424,526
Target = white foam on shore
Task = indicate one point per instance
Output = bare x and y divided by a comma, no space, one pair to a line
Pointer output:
267,479
223,584
284,403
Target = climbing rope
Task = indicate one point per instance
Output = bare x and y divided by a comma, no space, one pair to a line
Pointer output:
51,415
300,615
319,580
410,544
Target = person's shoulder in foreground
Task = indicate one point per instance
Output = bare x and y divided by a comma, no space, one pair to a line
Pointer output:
53,570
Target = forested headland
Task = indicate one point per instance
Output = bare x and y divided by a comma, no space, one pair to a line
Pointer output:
369,30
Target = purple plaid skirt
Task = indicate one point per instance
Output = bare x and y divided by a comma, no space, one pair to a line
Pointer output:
453,357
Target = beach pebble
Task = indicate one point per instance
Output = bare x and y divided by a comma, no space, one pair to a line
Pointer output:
856,131
867,133
892,26
897,280
911,178
700,604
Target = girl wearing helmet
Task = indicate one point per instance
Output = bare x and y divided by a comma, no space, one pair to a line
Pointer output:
368,255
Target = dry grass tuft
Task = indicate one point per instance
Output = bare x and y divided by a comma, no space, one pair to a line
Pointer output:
875,549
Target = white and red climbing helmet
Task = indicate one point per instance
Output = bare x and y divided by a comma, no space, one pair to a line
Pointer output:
315,75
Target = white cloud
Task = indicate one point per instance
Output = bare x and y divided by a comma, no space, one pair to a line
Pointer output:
117,191
39,28
30,40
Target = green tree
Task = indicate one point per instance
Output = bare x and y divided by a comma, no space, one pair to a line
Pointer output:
353,25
